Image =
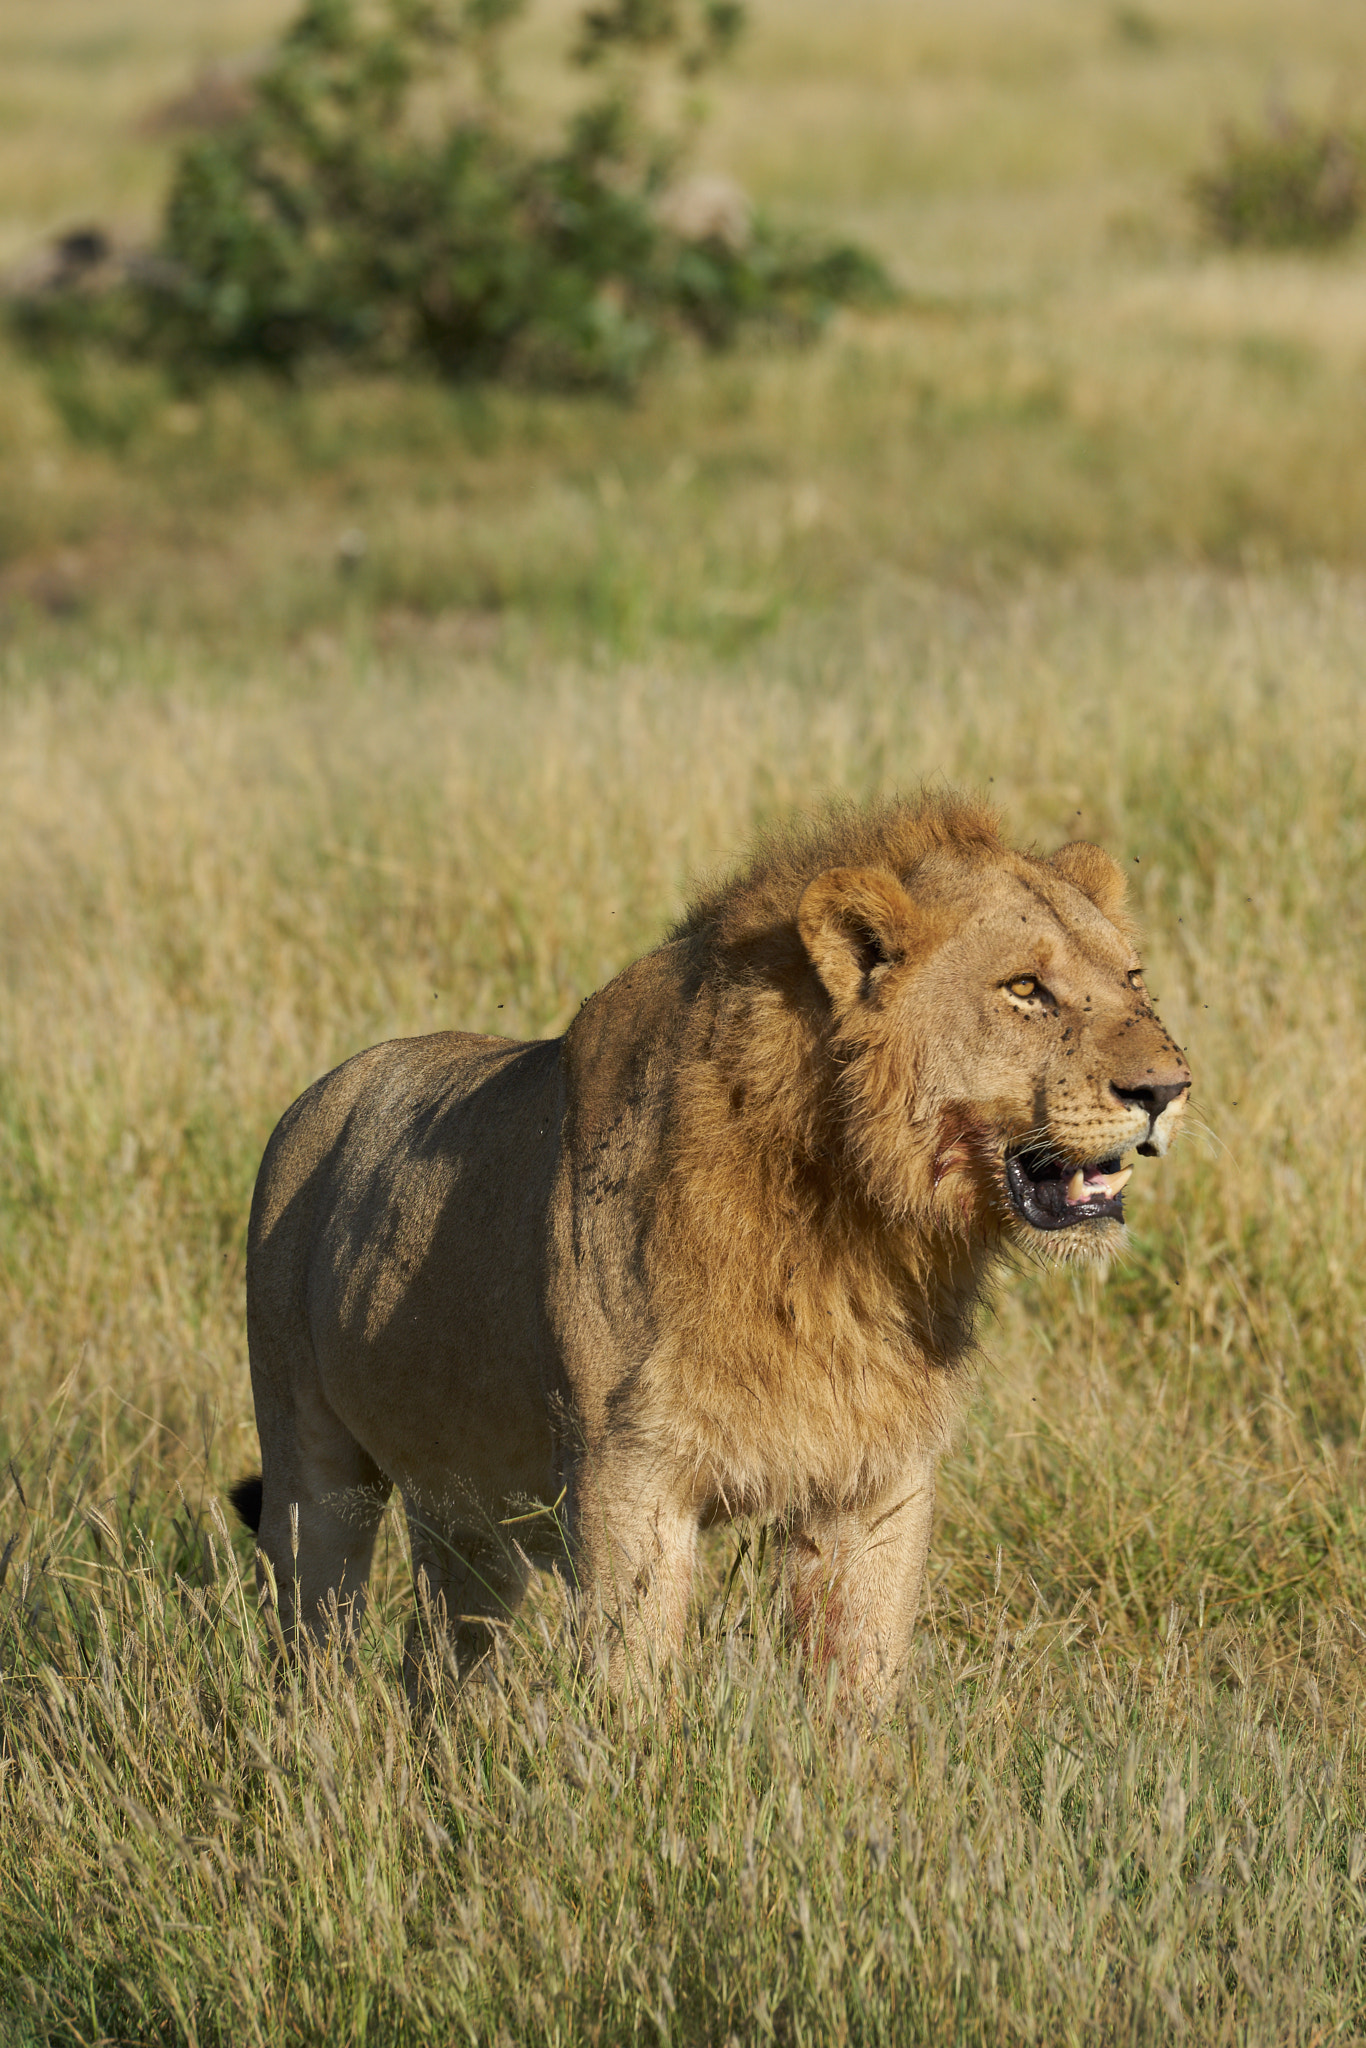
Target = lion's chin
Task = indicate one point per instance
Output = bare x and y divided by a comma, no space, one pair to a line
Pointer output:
1088,1244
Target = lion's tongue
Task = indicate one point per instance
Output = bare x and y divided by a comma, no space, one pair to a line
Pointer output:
1089,1184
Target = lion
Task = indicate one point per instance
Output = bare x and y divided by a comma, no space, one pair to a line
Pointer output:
715,1252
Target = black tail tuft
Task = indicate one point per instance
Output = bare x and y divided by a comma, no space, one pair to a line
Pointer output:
246,1498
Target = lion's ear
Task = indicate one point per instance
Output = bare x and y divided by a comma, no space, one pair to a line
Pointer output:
1090,869
854,921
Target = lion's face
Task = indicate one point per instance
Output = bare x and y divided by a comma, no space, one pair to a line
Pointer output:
998,1051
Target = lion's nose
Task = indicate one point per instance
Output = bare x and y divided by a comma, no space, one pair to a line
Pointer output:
1151,1097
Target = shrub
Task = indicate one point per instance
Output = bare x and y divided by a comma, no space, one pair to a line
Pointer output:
1291,185
339,217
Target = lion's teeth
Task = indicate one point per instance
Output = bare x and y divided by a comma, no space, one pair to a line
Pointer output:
1094,1186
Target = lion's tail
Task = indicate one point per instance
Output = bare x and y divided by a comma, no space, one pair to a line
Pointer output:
246,1498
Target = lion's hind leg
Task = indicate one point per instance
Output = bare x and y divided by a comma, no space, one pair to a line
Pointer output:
470,1575
322,1500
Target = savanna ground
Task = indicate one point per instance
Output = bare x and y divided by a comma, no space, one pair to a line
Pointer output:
338,713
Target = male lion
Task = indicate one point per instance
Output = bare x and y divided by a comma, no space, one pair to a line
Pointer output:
714,1252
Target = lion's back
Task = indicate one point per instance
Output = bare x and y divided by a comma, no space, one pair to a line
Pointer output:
361,1123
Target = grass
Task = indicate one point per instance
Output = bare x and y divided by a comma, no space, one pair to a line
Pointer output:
1140,1658
1084,533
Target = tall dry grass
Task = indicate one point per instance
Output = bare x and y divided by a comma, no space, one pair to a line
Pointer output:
1122,1793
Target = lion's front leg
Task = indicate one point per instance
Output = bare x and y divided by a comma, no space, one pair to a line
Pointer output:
634,1545
854,1579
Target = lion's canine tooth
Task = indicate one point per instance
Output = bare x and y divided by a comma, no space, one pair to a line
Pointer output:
1088,1185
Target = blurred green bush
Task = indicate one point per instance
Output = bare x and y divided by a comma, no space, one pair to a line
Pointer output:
1292,184
380,201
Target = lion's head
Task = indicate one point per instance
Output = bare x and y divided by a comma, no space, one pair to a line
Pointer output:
988,1049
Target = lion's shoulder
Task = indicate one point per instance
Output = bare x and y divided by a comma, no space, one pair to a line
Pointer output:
628,1040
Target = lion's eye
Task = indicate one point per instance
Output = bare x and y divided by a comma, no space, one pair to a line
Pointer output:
1136,977
1026,987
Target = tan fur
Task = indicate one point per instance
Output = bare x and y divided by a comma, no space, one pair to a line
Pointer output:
716,1251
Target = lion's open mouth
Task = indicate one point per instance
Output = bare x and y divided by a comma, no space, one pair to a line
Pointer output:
1050,1194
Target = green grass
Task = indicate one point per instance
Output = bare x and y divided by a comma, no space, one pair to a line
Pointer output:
1073,379
1080,525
